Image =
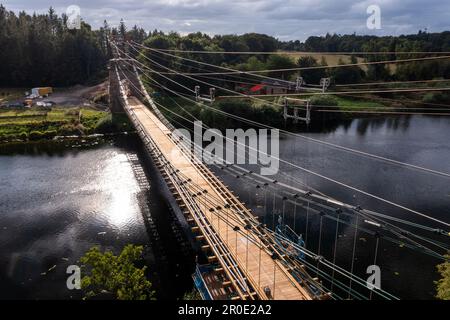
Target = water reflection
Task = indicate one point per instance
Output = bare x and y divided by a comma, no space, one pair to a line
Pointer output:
394,123
118,181
53,209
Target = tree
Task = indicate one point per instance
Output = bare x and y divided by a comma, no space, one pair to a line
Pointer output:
116,275
280,62
443,285
122,29
349,74
192,295
40,50
311,76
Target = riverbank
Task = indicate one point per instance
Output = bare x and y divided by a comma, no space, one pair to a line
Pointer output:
39,123
326,109
268,111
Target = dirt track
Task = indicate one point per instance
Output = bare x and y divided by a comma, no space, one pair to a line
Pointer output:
76,95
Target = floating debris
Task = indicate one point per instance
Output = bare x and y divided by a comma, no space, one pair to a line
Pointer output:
51,268
102,233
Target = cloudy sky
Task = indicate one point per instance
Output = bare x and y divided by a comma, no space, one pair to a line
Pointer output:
285,19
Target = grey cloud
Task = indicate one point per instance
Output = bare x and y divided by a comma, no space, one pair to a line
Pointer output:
286,19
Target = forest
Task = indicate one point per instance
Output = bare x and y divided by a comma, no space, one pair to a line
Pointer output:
39,49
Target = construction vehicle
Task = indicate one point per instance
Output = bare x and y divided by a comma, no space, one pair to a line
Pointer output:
40,92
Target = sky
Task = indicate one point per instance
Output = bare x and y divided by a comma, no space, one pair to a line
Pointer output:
284,19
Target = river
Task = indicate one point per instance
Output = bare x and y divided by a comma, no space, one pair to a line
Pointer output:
417,140
57,201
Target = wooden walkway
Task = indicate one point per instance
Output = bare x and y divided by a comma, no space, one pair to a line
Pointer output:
257,265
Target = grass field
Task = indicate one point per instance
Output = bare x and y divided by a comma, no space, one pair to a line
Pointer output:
24,123
330,59
333,59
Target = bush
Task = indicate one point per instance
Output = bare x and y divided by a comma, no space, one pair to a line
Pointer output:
23,136
36,135
71,129
324,100
50,134
117,275
443,284
104,125
435,97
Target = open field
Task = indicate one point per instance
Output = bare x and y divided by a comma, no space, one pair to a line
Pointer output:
330,59
333,59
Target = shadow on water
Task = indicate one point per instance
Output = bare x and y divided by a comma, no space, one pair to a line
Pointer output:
170,243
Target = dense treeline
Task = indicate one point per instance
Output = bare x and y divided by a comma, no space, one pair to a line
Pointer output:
422,41
421,70
39,49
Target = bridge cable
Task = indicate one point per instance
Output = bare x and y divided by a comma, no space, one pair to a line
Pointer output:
295,69
424,239
304,52
354,84
335,247
152,79
328,143
353,252
358,190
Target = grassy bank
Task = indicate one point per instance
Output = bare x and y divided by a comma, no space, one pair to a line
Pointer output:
39,123
256,110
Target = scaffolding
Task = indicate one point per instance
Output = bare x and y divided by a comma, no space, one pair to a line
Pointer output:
293,107
206,98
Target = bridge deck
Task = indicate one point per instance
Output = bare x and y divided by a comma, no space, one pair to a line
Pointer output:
257,264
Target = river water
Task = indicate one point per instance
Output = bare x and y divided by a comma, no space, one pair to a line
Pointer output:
417,140
58,201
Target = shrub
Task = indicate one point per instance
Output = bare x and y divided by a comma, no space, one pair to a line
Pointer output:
23,136
324,100
104,125
36,135
117,275
68,130
50,134
443,284
435,97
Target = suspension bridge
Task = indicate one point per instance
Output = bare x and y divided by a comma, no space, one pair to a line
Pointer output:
246,258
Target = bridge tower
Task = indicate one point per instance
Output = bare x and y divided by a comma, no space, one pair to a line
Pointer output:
113,89
126,66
